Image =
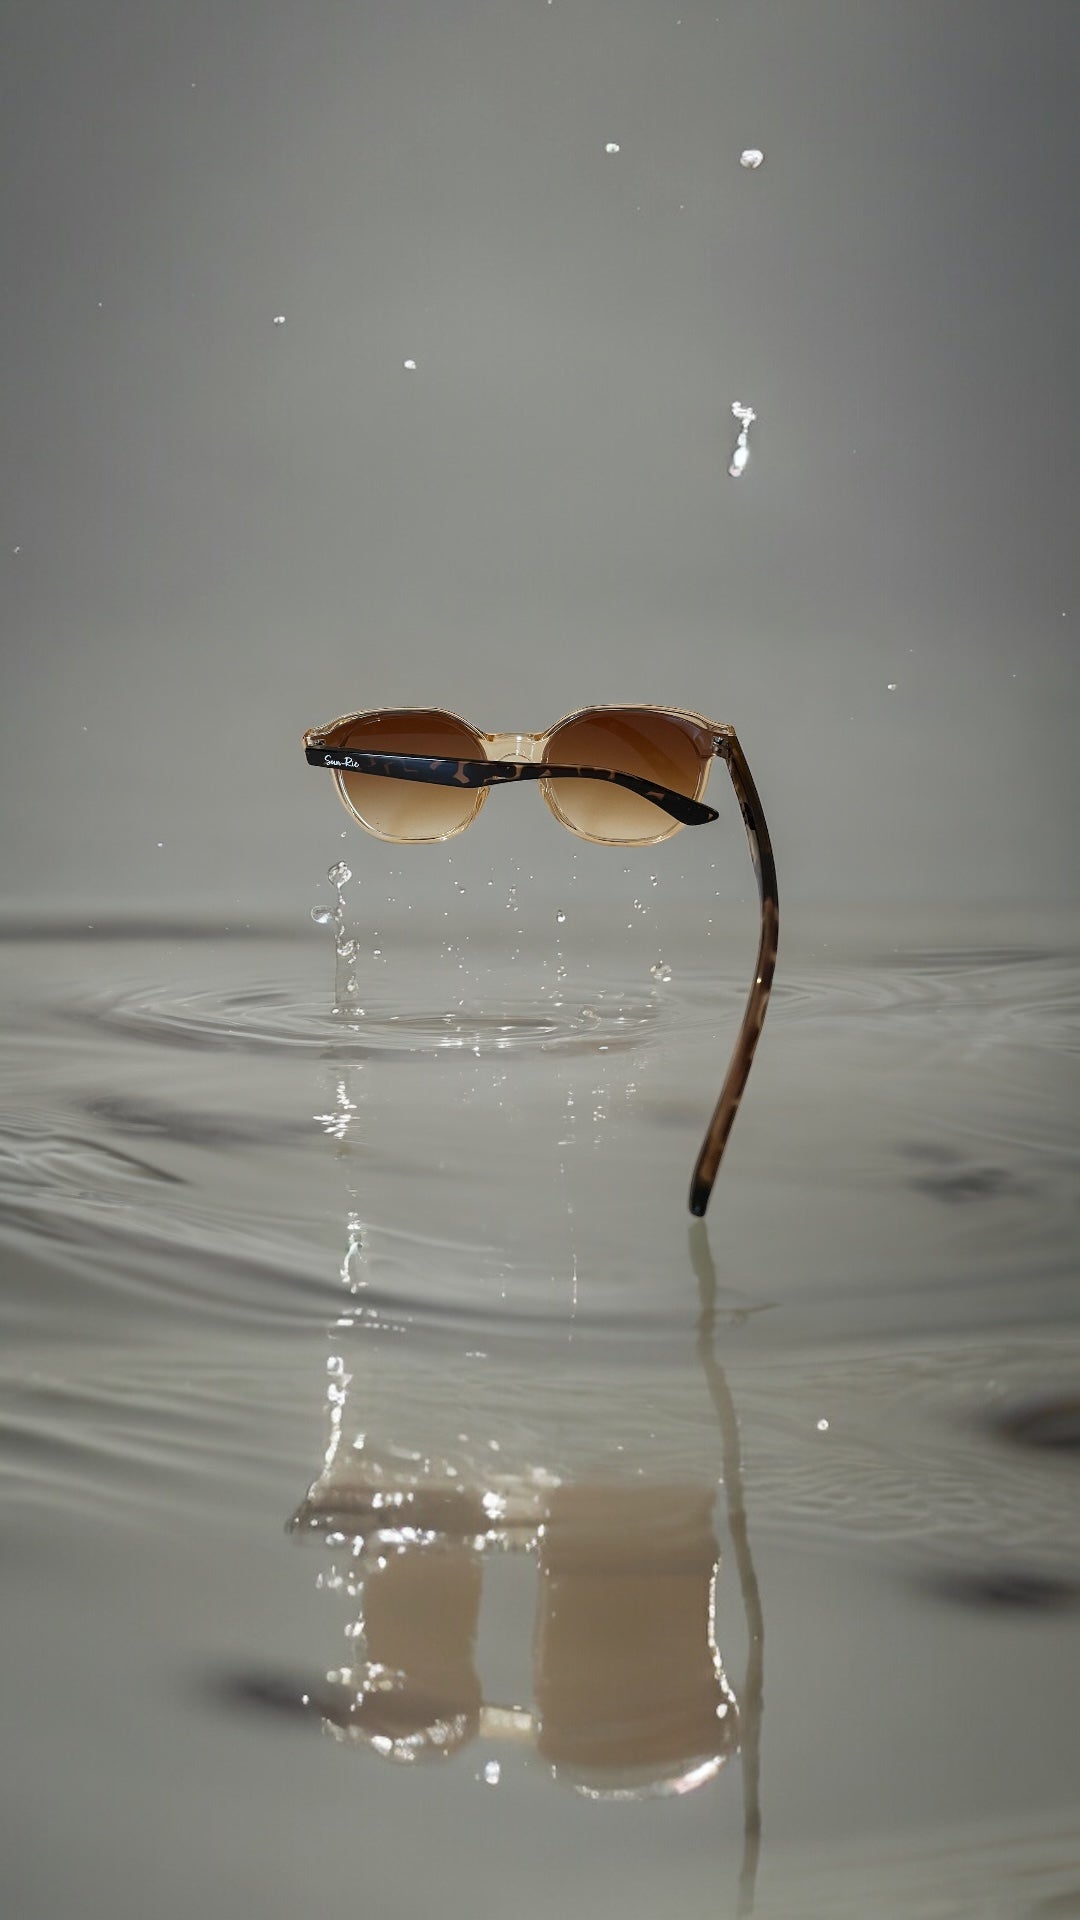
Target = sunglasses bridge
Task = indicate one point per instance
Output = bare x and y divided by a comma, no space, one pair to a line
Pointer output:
527,748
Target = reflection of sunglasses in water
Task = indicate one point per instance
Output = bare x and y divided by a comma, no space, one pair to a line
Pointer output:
619,776
631,1697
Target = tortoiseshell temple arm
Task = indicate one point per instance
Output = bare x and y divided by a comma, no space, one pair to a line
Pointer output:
495,773
757,833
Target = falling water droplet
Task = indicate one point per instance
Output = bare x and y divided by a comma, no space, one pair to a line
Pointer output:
654,880
892,686
340,875
560,917
745,416
279,319
660,971
751,158
323,916
409,366
612,147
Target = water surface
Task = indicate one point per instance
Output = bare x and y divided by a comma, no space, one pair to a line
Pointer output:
406,1508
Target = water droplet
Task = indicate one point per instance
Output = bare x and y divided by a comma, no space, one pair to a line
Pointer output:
409,366
346,949
612,147
751,158
279,319
560,917
823,1426
654,880
892,686
340,875
323,916
745,416
660,970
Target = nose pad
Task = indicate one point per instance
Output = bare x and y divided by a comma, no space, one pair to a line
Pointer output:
515,746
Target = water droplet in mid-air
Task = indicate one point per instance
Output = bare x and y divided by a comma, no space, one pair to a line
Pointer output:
739,459
409,366
892,686
339,875
751,158
612,147
660,970
560,917
323,916
279,319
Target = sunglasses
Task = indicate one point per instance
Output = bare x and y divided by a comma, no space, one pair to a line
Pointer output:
619,776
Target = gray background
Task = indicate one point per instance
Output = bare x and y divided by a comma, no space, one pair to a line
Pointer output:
229,529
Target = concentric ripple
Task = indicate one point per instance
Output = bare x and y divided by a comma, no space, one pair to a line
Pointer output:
261,1020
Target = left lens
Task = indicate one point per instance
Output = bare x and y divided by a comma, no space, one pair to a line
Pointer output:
662,748
411,809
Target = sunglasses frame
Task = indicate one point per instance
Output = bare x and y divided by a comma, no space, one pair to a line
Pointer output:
520,756
508,757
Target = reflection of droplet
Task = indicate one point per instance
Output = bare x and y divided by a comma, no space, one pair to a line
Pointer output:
409,366
340,875
612,147
660,971
751,158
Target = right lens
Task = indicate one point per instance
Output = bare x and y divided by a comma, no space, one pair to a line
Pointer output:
662,748
410,809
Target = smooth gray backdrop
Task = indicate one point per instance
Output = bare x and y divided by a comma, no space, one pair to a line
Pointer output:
218,528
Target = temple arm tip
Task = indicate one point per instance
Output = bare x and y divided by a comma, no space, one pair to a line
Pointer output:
699,1199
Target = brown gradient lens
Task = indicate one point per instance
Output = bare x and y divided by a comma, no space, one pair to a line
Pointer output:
411,809
655,746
